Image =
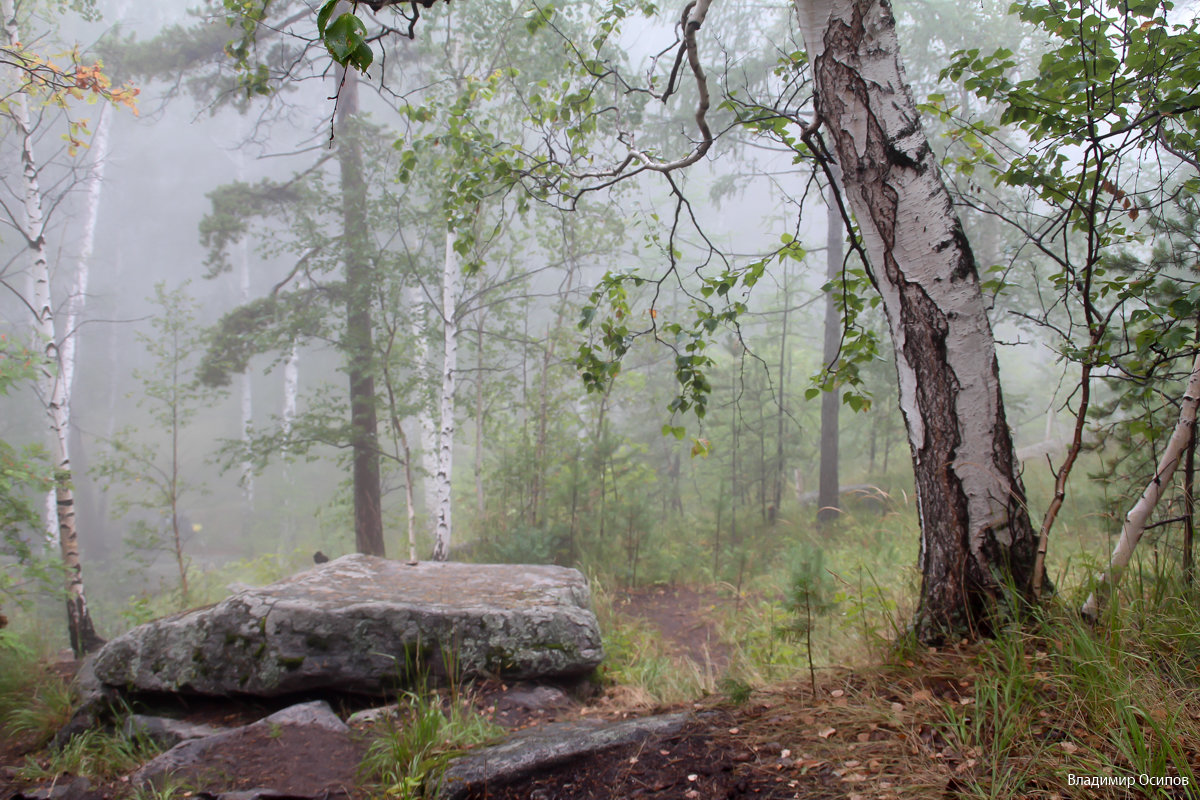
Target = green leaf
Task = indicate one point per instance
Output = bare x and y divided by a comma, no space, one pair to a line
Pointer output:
346,42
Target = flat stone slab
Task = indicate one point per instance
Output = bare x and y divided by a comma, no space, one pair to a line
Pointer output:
547,746
167,732
365,624
293,748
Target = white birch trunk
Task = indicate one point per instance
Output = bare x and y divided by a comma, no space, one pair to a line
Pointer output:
79,287
52,383
445,440
242,262
428,432
291,389
975,531
1139,515
291,381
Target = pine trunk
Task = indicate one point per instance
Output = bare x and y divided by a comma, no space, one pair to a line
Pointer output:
368,513
976,537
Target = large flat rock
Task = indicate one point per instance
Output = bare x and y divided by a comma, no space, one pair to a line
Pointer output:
364,624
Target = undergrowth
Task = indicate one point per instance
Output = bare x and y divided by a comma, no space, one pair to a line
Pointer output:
413,746
34,701
1060,700
98,754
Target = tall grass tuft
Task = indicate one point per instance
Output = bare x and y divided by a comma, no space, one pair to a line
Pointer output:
1063,699
417,744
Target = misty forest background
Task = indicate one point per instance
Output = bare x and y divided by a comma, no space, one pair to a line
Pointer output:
217,243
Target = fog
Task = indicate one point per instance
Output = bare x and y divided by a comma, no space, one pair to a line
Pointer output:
543,468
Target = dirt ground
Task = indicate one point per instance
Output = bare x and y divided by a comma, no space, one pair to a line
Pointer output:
684,617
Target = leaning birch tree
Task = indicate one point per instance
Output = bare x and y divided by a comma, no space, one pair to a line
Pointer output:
1135,521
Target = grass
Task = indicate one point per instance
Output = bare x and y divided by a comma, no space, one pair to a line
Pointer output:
34,701
413,747
1063,699
97,754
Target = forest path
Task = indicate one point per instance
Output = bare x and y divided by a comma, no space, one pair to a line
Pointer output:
687,619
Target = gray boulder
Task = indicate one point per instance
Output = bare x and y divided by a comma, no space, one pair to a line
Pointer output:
363,624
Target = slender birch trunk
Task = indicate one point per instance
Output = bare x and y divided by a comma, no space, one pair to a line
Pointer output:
1135,520
247,399
480,499
53,382
418,317
445,443
828,496
976,536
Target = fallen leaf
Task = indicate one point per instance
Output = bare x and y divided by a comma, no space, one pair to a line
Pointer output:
693,777
863,737
1070,747
827,732
897,707
922,696
836,693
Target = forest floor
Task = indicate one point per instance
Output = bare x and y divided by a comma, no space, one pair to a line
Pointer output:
874,733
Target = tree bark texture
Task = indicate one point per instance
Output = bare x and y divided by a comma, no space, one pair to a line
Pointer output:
368,513
828,498
443,483
976,536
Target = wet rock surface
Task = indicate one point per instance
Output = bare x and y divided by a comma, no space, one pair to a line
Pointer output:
301,751
364,624
545,747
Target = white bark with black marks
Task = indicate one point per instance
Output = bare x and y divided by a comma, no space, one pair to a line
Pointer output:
53,380
976,535
451,277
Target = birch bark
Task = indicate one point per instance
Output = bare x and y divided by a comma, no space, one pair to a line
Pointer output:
451,273
428,432
828,494
976,537
52,384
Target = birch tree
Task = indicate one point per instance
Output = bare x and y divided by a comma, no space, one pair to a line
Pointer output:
32,83
976,536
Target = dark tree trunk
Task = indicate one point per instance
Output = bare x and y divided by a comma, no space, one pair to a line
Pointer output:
368,512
